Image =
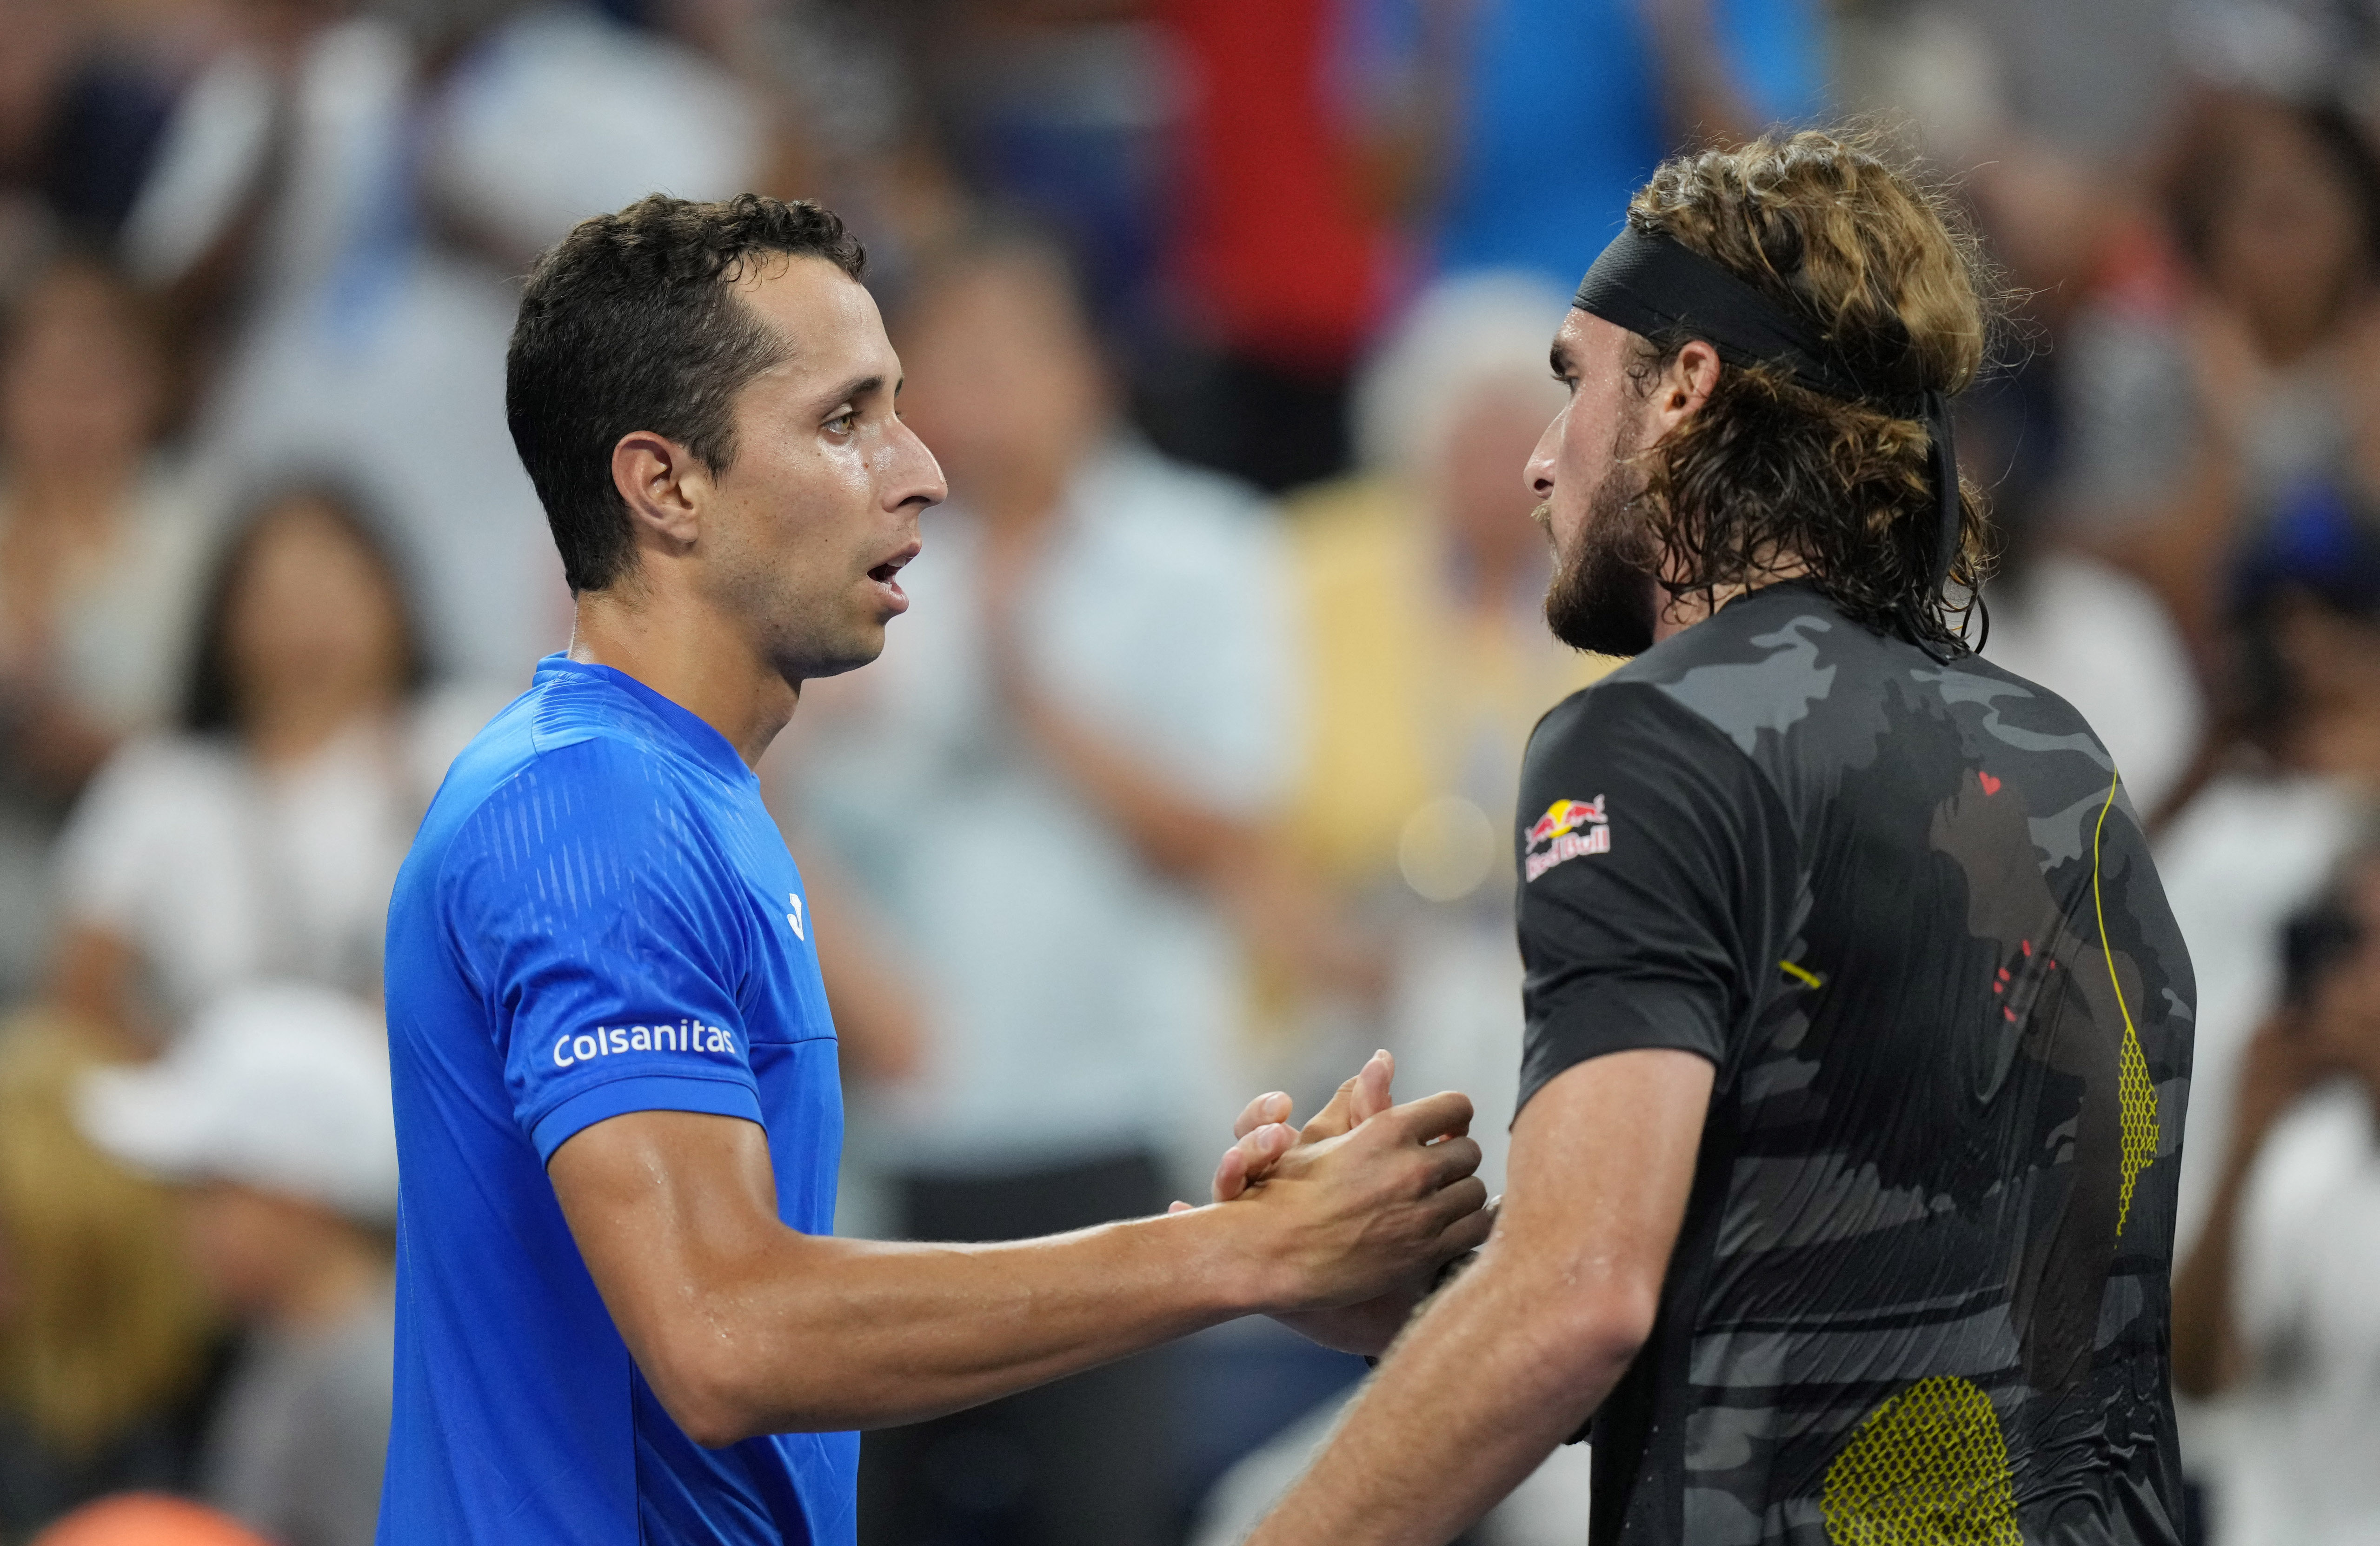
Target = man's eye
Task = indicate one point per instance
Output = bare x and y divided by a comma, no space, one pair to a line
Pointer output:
842,422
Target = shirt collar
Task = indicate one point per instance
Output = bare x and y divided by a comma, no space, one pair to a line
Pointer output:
708,746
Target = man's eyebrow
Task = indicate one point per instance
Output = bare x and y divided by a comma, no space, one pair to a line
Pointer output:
852,389
857,387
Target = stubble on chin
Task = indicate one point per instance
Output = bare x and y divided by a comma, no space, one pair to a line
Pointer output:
1605,597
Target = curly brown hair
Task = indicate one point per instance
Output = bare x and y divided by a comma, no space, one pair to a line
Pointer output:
1881,266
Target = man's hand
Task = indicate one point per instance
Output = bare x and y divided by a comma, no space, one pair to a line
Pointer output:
1505,1363
1263,1134
1378,1209
1265,1139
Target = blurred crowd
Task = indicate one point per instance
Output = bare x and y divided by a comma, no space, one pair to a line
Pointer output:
1189,775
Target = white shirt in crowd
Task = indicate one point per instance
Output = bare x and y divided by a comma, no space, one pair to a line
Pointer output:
119,651
1078,1003
218,873
367,341
2243,856
2305,1466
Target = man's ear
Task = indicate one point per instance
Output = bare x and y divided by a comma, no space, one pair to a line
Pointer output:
663,485
1686,385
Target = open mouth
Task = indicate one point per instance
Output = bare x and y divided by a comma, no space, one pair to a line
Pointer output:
888,573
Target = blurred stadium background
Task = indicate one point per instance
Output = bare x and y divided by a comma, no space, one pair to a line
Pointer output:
1187,773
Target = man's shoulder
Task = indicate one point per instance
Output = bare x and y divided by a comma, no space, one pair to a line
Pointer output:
560,771
1763,662
1719,678
1784,666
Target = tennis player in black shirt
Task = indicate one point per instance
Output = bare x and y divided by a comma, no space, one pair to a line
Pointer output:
1842,1195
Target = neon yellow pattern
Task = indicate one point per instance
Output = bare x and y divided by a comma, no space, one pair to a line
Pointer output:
2139,1096
1801,974
1929,1467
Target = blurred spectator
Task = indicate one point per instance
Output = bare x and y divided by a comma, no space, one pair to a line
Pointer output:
284,219
852,123
559,112
147,1519
1278,246
2274,1302
2064,617
100,550
1064,111
271,1111
33,71
83,100
1422,583
2294,769
2299,768
2196,405
1044,783
2303,49
1558,110
262,839
105,1339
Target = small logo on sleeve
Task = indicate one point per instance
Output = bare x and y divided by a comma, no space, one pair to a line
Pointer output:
794,918
686,1036
1568,829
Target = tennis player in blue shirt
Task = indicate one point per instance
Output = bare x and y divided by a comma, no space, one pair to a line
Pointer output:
622,1317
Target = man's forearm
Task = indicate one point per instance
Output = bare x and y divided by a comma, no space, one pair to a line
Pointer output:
744,1326
1492,1377
819,1333
1509,1360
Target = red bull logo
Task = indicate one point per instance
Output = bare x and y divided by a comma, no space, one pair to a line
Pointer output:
1568,829
1567,816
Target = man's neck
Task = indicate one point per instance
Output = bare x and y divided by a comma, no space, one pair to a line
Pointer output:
1674,614
689,656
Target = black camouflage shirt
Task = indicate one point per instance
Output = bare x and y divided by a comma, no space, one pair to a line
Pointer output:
1907,911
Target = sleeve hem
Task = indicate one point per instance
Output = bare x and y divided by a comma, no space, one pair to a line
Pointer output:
648,1092
1574,1037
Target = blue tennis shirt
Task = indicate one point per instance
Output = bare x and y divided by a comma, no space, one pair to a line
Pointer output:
599,916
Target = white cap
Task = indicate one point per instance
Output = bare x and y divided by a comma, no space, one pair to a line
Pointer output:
282,1086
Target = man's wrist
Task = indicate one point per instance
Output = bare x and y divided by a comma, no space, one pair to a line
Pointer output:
1240,1275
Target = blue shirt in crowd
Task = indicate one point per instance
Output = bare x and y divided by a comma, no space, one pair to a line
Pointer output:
599,916
1562,118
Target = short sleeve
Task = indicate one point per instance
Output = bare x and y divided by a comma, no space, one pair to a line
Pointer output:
595,917
1657,882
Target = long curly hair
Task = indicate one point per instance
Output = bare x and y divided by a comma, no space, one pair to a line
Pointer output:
1881,265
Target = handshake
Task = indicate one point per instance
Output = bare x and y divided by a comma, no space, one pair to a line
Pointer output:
1349,1221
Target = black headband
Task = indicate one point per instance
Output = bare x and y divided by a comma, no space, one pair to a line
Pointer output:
1651,285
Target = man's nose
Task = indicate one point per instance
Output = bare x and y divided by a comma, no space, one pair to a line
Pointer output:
1539,469
918,475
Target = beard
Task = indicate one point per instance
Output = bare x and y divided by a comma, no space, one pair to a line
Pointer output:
1605,597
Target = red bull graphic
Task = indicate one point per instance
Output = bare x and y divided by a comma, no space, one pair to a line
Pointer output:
1568,829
